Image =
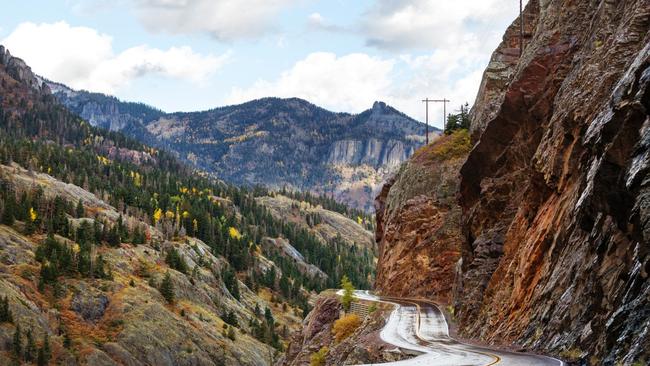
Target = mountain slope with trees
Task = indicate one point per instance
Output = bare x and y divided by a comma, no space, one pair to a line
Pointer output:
278,143
109,246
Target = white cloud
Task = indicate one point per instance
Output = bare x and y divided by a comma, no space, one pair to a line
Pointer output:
84,59
225,20
315,21
351,82
425,24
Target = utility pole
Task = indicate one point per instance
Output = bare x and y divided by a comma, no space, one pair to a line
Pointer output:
521,28
426,102
444,102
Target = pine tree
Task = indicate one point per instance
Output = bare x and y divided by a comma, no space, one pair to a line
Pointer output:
44,352
176,261
167,288
17,345
231,333
5,312
67,342
80,211
285,286
230,280
30,347
268,315
40,359
114,237
8,214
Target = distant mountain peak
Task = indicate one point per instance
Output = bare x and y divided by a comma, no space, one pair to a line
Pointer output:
270,141
378,107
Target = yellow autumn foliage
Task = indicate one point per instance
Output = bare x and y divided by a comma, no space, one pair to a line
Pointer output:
157,215
234,233
103,160
345,326
32,214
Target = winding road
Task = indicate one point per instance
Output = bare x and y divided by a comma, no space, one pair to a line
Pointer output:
420,326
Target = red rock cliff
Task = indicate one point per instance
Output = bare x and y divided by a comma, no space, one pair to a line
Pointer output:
418,222
556,191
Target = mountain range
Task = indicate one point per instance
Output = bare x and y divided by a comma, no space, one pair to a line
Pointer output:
113,252
279,143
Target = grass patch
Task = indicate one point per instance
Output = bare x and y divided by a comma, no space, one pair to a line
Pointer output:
571,354
455,145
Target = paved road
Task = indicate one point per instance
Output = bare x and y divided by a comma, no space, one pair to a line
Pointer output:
420,326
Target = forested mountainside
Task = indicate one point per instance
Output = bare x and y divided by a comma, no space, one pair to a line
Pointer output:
553,196
273,142
114,252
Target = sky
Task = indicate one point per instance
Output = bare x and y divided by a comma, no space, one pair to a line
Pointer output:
189,55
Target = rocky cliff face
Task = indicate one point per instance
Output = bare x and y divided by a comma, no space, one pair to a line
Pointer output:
19,71
273,142
418,222
372,152
555,193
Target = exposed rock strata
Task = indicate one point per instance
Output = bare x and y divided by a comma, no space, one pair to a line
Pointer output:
418,223
555,193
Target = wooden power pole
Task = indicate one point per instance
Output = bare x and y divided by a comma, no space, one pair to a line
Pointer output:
426,103
444,102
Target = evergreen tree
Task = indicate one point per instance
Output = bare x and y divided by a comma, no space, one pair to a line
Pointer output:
268,315
40,359
176,261
167,288
80,211
230,280
230,318
9,209
44,352
67,342
5,312
30,347
285,286
458,120
114,239
17,345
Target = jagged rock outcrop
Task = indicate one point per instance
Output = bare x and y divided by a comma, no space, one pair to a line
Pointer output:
500,70
556,191
418,222
18,69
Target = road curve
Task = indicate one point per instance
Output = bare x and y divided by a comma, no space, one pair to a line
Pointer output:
420,326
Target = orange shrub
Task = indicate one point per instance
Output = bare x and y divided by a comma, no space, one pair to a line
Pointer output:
345,326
